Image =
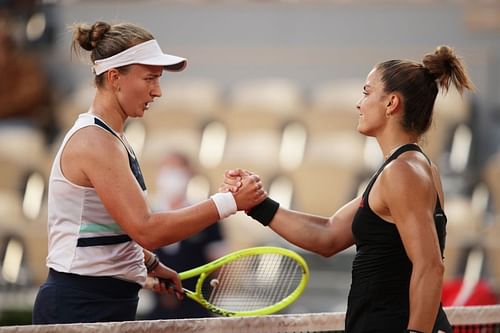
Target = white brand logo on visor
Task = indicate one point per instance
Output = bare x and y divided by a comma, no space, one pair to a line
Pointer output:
147,53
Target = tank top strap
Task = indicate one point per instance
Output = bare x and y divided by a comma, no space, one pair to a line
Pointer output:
392,157
104,126
133,163
404,149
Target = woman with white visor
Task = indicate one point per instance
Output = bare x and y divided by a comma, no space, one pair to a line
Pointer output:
100,228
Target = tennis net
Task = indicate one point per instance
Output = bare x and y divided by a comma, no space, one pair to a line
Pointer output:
474,319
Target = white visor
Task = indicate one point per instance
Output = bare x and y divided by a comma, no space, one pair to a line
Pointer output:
147,53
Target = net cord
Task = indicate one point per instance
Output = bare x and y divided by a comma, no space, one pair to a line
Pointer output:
317,322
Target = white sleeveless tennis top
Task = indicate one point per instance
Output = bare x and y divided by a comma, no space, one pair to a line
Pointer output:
83,238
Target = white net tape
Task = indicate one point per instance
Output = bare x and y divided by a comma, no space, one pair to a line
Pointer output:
307,322
474,315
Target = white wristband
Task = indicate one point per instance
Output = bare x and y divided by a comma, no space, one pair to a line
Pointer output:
225,203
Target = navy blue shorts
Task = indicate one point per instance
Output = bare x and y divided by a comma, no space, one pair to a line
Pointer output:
69,298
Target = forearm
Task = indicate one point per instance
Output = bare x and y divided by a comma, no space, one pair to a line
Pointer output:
325,236
163,228
309,232
425,296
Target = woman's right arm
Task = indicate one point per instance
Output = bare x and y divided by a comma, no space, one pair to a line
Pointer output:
325,236
94,158
322,235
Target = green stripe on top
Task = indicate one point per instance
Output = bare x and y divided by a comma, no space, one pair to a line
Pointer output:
97,227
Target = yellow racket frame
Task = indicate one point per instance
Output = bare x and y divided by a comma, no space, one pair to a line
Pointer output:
206,269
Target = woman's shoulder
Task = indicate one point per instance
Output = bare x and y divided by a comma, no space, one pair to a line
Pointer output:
93,141
410,169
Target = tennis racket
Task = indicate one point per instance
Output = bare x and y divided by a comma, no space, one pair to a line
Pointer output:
250,282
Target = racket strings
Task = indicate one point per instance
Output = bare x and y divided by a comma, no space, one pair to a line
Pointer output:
252,282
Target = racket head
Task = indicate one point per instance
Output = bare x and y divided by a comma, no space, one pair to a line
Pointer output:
250,282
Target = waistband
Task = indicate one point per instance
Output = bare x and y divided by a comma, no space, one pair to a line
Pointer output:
103,285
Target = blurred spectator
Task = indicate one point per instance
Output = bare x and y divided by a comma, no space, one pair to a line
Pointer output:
172,183
25,96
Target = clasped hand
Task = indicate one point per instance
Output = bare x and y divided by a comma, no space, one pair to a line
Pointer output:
246,187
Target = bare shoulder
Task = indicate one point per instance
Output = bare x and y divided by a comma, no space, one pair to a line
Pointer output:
409,172
88,150
93,142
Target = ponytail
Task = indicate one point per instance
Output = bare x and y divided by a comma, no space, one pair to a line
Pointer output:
447,69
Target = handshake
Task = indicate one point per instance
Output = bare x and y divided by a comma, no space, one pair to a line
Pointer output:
242,190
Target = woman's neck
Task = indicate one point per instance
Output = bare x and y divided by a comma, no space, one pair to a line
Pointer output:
104,108
391,144
392,151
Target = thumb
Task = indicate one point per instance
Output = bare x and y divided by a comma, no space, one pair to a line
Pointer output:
234,173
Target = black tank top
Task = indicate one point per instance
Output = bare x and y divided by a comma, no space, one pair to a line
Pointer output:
379,296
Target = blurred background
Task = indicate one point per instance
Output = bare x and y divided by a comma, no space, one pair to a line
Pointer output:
271,86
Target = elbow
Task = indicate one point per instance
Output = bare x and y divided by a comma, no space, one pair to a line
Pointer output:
145,236
326,251
148,244
327,246
325,254
434,270
145,241
439,270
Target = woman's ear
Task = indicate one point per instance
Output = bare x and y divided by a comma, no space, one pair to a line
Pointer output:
113,78
393,104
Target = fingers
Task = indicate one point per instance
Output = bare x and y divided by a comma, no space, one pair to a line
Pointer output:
236,173
224,188
252,183
166,280
251,179
260,191
171,286
155,284
238,180
175,283
229,188
232,181
178,288
250,193
150,282
248,172
164,286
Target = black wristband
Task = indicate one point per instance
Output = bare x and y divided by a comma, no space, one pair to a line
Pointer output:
265,211
411,331
152,264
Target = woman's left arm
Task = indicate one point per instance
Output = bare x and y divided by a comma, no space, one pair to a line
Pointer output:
410,195
157,269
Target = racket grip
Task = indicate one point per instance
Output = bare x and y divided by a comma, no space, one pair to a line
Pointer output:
152,281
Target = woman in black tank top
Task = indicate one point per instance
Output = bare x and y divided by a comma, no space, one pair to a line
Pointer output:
381,261
398,224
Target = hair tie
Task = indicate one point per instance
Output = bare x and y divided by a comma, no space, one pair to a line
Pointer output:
89,39
432,76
